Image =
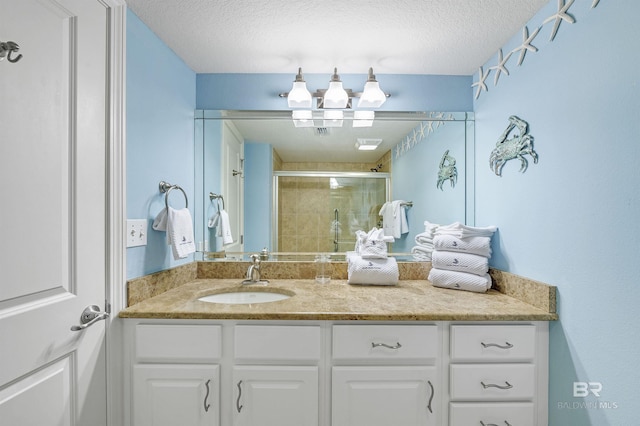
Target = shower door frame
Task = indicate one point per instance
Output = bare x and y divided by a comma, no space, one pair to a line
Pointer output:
312,174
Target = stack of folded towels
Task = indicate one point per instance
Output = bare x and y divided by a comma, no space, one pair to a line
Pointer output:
369,263
424,242
460,259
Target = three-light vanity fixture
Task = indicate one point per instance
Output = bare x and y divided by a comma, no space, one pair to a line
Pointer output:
333,101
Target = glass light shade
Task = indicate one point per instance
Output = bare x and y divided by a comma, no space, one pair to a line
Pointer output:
299,96
372,95
302,118
333,118
363,118
335,96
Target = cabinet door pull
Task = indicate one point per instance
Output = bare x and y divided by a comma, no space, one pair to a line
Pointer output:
507,385
207,406
506,345
238,406
493,424
396,346
431,397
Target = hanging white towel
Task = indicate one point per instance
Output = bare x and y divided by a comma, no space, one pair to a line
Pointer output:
394,219
461,262
372,271
462,231
160,223
180,232
224,228
214,220
459,280
474,245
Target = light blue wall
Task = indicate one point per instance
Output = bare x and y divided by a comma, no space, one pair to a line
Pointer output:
260,91
257,196
572,220
161,97
415,175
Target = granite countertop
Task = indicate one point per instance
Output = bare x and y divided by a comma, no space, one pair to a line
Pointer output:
410,300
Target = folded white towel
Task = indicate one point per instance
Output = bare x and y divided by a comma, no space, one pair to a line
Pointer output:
425,239
462,231
430,227
421,253
224,228
474,245
459,280
462,262
372,271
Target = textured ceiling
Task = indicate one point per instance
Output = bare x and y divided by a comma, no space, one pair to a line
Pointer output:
452,37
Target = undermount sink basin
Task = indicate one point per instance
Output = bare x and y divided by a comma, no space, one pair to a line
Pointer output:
245,297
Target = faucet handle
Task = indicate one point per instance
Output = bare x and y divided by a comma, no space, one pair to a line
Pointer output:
255,258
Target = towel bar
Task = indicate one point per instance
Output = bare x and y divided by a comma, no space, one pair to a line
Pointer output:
166,188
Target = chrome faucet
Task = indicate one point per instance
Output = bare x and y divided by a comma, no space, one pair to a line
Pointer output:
253,273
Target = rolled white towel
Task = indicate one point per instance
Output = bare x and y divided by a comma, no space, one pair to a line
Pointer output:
372,271
461,262
421,253
459,280
462,231
474,245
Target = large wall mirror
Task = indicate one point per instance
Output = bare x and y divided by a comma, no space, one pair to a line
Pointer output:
304,187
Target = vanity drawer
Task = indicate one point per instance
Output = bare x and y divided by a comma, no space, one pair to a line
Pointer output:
483,343
491,414
276,342
492,382
394,342
178,343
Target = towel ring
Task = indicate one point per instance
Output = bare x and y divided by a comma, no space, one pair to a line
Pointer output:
166,188
218,197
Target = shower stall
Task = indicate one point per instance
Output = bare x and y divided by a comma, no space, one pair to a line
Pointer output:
321,211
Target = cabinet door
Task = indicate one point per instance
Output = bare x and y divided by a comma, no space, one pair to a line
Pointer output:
176,395
275,396
383,396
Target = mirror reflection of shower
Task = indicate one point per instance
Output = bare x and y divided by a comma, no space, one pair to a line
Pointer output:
321,211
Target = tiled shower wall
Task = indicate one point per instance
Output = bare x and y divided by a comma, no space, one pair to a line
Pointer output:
306,207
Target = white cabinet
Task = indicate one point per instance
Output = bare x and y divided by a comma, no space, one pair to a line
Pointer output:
275,396
385,395
325,373
173,395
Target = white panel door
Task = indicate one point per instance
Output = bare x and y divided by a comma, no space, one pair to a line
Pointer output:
275,396
176,395
383,396
232,181
53,260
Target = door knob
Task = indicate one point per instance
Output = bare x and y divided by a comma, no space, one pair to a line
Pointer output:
90,316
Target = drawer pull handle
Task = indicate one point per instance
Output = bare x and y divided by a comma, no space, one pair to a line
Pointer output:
507,385
396,346
507,345
493,424
431,397
238,406
207,406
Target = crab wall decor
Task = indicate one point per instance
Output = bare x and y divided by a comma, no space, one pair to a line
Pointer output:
516,147
447,171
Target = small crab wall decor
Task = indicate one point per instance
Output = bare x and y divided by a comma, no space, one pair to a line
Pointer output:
447,171
516,147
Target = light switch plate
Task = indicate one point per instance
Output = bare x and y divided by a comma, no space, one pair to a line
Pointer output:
136,233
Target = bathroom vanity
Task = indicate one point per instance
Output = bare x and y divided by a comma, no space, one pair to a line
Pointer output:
336,354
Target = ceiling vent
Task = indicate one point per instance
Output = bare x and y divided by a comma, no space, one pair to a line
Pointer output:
321,131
